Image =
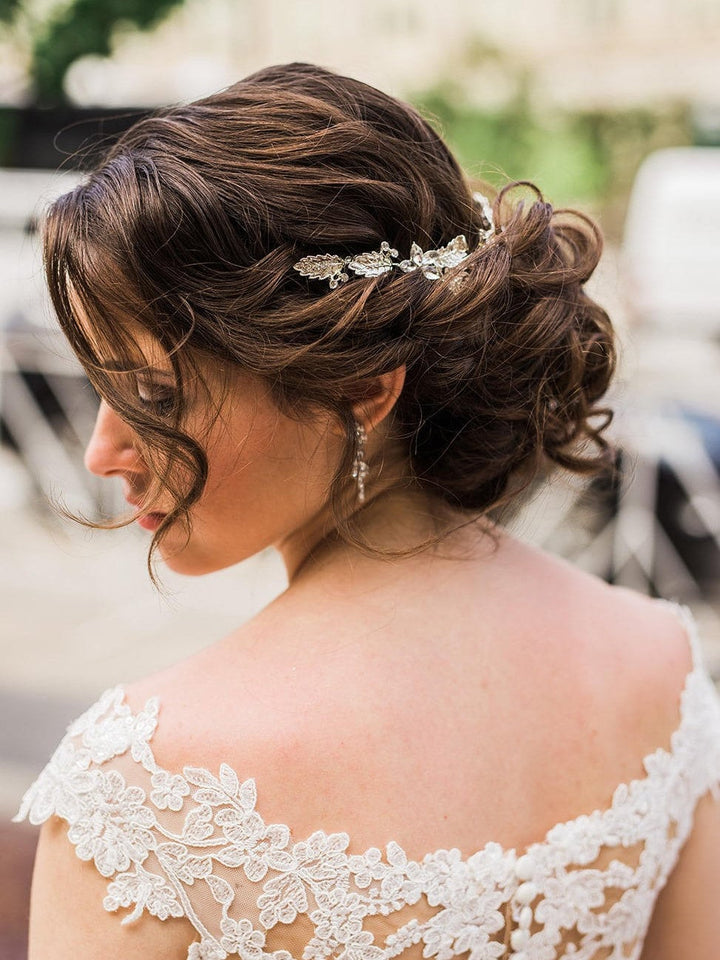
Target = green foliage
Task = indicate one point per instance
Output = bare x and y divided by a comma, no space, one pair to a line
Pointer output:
84,27
584,157
8,9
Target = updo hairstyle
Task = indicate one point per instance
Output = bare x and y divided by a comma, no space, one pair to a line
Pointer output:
190,228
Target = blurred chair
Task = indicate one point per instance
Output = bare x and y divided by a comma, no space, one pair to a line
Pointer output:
664,534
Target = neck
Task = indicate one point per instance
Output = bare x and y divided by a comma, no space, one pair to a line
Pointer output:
393,524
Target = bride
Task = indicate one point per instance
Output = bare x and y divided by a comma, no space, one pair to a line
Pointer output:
308,333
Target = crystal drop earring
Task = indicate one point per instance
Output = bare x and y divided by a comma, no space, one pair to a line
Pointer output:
360,468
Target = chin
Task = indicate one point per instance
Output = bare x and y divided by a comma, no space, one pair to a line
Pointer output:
185,569
188,565
190,562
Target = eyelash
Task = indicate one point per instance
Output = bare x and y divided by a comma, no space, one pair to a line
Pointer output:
160,402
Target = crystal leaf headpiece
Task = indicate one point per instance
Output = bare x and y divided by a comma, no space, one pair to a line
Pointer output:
432,263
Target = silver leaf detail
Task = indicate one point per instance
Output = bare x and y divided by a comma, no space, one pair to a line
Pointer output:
375,263
434,263
324,266
488,228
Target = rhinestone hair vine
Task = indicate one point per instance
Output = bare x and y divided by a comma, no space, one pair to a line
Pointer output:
432,263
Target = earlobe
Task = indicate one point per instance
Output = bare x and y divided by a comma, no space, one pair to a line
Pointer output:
382,394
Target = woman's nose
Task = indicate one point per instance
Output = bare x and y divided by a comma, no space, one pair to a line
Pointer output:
111,449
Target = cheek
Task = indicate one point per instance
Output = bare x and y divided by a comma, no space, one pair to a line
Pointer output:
277,472
257,493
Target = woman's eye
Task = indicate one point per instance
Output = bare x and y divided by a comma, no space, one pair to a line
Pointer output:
158,400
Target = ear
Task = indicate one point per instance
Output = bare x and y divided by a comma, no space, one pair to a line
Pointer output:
380,395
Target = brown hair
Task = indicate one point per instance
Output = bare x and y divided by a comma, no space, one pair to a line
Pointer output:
192,223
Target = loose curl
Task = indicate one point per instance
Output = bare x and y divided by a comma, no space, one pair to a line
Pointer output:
190,228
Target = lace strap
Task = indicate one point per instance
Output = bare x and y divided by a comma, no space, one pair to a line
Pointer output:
689,625
701,713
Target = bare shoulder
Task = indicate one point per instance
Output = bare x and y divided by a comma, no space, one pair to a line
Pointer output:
593,670
630,654
641,652
233,702
648,634
649,638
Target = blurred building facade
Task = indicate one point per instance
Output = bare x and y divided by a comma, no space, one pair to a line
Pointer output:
586,53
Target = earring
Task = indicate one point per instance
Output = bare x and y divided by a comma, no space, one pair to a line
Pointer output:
360,468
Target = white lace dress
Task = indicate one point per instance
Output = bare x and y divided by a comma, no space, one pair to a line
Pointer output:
195,845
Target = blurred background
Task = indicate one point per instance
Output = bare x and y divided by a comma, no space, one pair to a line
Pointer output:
612,106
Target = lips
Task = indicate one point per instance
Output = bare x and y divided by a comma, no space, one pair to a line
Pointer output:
151,521
148,521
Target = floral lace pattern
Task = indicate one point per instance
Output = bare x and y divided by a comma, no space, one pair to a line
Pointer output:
194,845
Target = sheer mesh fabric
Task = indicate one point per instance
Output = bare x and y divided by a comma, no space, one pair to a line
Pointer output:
194,844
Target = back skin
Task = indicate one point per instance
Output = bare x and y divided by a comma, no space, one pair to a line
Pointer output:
444,682
441,705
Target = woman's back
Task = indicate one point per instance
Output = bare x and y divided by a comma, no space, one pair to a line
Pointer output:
376,687
414,716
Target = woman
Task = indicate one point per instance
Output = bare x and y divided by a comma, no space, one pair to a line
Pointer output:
306,332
